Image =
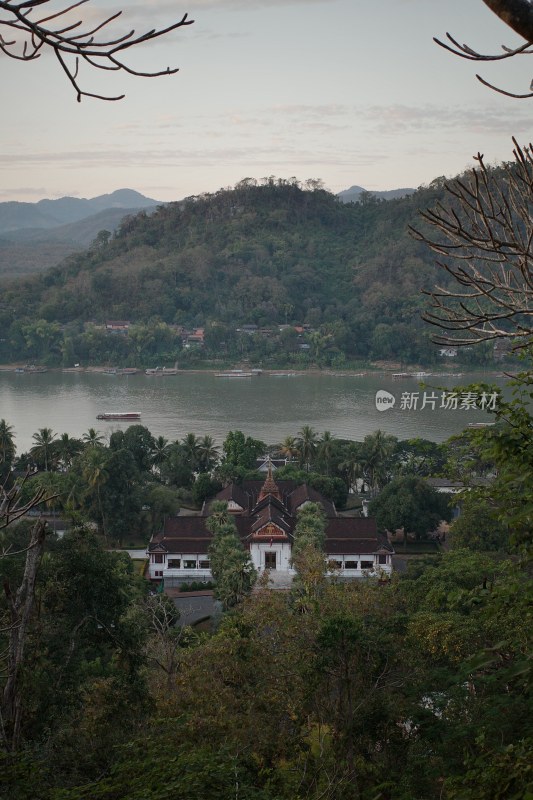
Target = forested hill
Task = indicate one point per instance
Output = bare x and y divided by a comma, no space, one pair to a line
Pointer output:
256,254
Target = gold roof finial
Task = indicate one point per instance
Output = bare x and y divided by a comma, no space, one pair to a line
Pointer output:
270,486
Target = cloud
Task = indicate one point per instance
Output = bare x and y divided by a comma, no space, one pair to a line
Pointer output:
329,118
235,121
284,151
224,5
143,14
396,119
7,194
315,111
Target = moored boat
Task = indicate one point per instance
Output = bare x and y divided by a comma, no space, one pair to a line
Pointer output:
31,368
159,372
119,415
234,373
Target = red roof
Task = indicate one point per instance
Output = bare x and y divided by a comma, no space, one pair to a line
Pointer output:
344,535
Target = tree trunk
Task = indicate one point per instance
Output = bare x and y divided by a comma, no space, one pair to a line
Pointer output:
104,531
20,610
517,14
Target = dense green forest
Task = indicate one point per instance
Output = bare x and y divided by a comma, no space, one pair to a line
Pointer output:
267,254
417,689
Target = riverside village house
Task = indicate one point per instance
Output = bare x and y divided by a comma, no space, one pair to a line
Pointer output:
265,517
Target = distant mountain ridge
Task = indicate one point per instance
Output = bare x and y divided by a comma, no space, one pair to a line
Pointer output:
353,194
35,236
47,214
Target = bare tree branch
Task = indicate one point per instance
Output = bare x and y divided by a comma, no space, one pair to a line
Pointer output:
486,238
518,15
71,43
12,508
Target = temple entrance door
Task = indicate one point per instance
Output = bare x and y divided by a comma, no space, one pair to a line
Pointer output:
270,560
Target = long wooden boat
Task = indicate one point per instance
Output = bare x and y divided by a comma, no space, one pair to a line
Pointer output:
119,415
32,369
159,372
234,373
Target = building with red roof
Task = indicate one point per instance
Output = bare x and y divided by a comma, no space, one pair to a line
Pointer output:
265,515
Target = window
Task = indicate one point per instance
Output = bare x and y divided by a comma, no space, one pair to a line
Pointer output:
205,564
174,563
159,558
350,564
158,573
382,559
336,564
367,564
189,564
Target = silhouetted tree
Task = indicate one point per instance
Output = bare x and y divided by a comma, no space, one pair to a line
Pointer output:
518,15
485,236
57,31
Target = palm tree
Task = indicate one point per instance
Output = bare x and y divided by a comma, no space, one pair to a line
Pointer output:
76,491
92,438
96,475
44,440
288,448
54,486
377,451
190,445
208,454
351,465
7,443
160,452
307,440
326,449
66,449
219,517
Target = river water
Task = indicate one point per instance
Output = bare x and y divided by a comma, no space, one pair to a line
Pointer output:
267,407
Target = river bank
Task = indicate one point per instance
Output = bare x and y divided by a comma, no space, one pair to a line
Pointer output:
394,370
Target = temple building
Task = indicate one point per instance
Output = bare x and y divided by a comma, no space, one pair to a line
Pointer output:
265,515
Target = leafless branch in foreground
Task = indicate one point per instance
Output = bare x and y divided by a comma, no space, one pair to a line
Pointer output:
12,509
71,42
485,234
518,15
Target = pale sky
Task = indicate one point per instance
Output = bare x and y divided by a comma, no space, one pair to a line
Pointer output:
349,91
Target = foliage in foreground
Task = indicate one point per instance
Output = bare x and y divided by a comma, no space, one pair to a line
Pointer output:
417,689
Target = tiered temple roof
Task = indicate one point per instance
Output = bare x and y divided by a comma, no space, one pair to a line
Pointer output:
269,510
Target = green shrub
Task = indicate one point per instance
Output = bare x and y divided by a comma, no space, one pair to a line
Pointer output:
197,586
